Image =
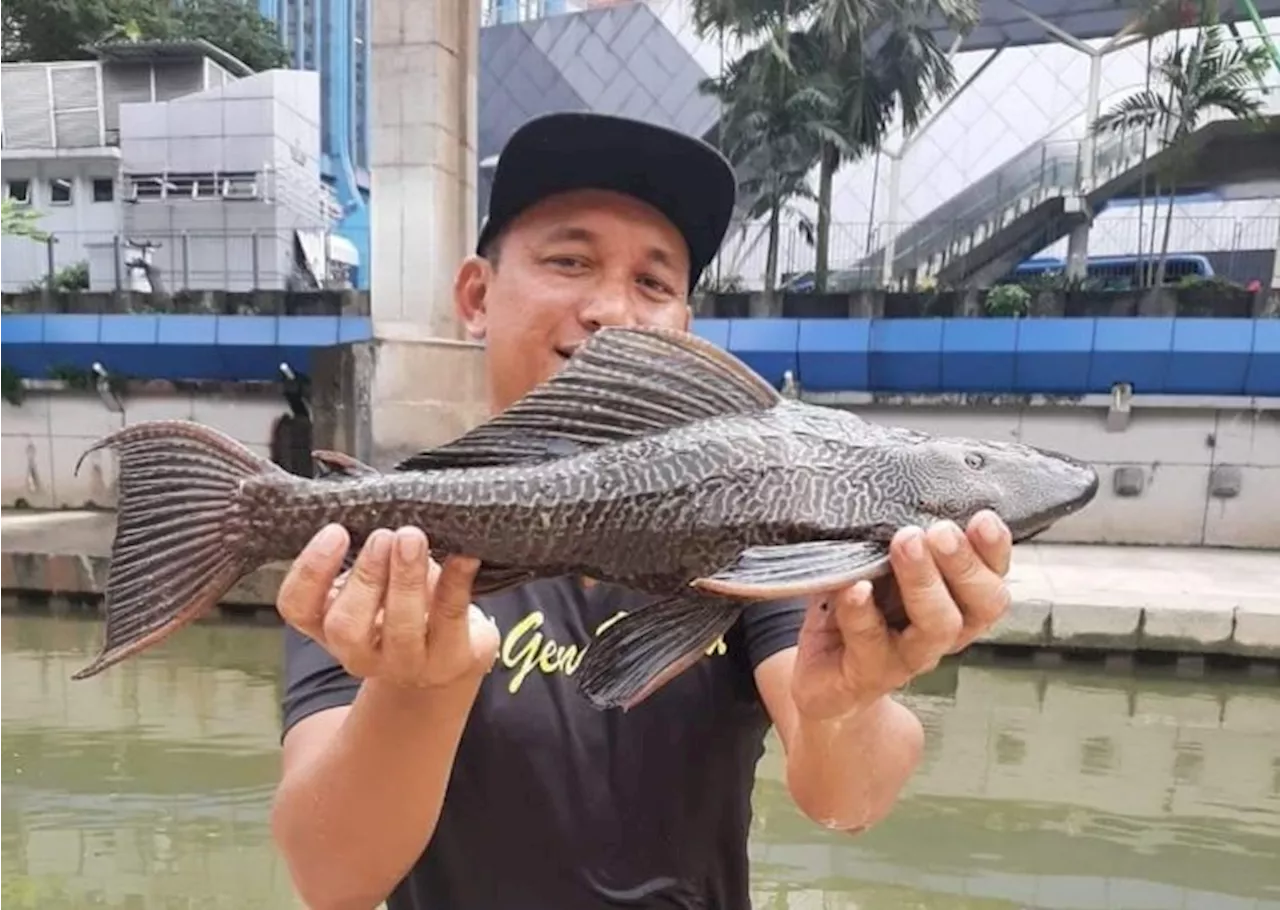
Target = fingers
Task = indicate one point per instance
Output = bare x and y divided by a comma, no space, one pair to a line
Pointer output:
990,538
349,629
304,593
404,622
978,591
935,620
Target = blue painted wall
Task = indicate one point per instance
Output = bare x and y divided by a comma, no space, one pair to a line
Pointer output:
1010,356
174,347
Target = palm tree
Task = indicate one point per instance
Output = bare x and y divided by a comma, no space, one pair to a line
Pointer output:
1213,72
848,65
874,59
771,130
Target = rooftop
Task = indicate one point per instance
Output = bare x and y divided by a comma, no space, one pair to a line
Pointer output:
154,50
1007,21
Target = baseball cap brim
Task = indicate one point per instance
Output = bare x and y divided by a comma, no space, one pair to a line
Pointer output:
686,179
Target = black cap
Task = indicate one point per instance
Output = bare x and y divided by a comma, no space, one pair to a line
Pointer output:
685,178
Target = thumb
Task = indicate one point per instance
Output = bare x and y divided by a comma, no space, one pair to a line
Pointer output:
447,617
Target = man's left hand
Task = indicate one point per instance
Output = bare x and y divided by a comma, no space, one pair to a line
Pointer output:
952,588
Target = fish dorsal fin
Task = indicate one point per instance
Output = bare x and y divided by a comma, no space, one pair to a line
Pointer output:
328,464
623,383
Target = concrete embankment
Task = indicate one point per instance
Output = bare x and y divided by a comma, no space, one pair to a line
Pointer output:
1191,601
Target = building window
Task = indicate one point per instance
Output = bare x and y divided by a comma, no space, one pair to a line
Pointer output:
104,189
360,87
20,191
60,191
202,186
289,31
309,37
145,186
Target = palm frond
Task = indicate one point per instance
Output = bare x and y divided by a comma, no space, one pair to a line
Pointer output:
1142,109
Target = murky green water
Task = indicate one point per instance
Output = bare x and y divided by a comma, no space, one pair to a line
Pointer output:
149,789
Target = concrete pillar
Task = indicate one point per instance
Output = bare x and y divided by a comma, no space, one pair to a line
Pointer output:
1078,251
1078,239
895,199
418,383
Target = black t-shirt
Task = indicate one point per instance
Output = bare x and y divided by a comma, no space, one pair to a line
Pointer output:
554,805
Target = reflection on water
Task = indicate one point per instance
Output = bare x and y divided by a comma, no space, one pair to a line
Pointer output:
150,789
147,787
1058,790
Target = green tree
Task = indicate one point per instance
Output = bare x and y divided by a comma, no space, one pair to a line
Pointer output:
1212,73
772,125
21,220
235,26
875,62
38,30
862,60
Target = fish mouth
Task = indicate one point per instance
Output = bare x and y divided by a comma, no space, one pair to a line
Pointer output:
1042,522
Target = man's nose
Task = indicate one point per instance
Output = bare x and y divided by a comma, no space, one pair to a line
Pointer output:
606,308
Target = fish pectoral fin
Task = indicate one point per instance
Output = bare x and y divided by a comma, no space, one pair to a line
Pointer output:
329,464
623,383
797,570
640,653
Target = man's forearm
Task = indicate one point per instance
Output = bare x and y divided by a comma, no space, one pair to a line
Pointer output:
847,774
352,818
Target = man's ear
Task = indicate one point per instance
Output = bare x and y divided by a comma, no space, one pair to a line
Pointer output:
469,288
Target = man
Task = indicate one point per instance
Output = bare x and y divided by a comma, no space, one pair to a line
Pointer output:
438,758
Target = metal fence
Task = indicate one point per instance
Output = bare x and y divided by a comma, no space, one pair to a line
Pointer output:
1241,248
173,261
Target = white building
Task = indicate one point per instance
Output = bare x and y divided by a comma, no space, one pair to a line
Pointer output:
170,163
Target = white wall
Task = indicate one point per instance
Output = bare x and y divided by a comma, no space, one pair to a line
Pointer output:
77,225
1176,450
44,436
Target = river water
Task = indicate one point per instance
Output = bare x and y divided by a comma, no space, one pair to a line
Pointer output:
1041,789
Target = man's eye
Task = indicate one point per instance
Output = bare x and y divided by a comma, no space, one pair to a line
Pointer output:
657,285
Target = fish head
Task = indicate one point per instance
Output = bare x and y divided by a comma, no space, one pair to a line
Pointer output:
1028,487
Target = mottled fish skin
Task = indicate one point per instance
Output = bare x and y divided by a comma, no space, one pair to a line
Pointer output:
677,506
654,460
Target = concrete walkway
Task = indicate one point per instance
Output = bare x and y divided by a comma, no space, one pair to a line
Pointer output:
1193,600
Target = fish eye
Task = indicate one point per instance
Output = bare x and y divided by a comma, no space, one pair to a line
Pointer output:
974,460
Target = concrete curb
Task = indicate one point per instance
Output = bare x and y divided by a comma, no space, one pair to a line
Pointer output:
75,576
1246,628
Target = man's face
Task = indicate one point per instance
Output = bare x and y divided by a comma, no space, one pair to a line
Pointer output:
570,265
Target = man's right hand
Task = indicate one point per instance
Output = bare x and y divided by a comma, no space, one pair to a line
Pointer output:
397,615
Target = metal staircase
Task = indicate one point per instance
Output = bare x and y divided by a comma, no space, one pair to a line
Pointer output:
1029,202
1046,177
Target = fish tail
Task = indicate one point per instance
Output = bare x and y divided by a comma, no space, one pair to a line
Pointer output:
175,553
640,653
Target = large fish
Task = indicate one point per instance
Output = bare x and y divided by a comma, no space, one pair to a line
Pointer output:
653,459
